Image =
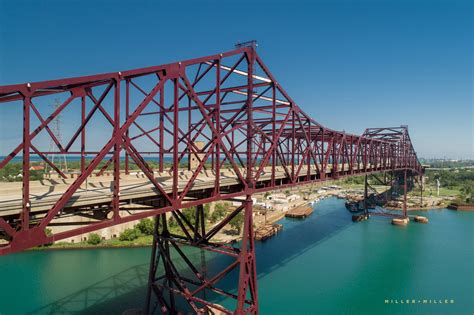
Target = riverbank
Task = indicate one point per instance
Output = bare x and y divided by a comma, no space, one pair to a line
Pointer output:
141,241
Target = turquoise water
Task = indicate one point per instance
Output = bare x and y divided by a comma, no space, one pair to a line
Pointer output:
325,264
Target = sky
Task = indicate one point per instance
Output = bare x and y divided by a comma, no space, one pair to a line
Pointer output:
348,64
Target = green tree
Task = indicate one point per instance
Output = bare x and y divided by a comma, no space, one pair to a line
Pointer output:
237,222
10,172
219,212
94,239
172,223
190,214
146,226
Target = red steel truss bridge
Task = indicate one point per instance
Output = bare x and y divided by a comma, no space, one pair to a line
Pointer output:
152,141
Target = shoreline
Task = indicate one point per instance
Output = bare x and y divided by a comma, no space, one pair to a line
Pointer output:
271,220
84,247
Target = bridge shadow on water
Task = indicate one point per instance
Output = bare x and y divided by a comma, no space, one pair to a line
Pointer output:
113,295
127,289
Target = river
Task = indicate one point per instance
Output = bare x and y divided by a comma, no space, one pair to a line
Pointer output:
325,264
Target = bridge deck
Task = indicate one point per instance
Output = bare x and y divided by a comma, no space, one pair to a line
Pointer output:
135,186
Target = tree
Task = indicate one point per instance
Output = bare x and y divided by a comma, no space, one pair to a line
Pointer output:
207,208
466,191
172,223
237,222
129,235
146,226
94,239
190,214
219,212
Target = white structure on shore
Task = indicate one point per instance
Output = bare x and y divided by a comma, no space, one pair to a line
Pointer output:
282,198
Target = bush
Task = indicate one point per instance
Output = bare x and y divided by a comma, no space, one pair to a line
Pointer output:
94,239
129,234
48,232
146,226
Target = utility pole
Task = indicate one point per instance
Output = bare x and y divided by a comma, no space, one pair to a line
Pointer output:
55,126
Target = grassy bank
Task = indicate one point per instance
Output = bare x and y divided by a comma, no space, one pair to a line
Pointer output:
141,241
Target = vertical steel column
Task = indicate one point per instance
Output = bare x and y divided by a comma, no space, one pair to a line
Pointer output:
117,146
248,271
83,133
250,127
366,159
189,145
175,138
322,174
274,136
405,193
351,161
248,274
162,128
366,195
293,147
218,136
127,113
334,161
309,148
25,216
153,265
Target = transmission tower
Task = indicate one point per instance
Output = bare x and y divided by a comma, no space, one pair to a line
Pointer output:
57,159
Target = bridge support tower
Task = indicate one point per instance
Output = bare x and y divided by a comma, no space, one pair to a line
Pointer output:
178,280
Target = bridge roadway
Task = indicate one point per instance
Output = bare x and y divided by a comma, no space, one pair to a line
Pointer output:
97,190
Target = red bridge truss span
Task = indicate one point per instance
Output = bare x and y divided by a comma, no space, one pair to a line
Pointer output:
155,140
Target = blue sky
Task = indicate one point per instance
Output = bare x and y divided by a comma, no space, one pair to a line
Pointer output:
349,64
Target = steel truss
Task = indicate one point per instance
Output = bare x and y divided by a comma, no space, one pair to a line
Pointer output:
168,284
250,129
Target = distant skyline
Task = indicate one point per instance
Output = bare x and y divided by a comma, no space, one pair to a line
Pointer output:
348,64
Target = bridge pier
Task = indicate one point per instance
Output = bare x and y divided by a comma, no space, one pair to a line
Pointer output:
178,277
366,196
